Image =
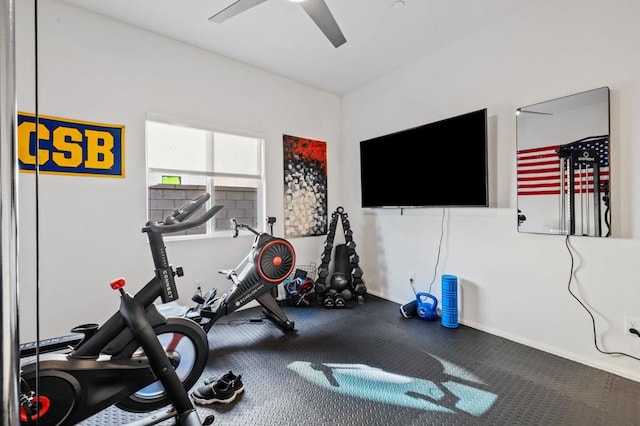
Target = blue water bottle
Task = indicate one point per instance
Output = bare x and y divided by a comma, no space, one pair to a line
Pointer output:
449,301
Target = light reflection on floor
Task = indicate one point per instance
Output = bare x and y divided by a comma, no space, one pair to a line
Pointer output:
451,395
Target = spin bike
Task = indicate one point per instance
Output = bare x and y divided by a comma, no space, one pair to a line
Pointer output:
269,262
138,360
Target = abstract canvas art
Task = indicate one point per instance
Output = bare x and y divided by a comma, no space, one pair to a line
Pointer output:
305,187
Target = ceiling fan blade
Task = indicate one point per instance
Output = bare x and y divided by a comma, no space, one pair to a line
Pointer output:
233,9
319,12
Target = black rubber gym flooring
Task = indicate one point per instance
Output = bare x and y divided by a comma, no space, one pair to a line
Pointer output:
367,365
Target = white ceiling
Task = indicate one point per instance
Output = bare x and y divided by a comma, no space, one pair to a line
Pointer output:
278,36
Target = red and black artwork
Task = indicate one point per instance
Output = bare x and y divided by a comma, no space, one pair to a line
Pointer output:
305,187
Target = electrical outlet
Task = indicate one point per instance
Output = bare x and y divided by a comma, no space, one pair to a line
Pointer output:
631,322
197,287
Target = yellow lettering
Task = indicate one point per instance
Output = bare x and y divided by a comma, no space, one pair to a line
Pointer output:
25,130
95,149
66,140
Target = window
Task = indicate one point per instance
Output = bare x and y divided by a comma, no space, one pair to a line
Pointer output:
184,160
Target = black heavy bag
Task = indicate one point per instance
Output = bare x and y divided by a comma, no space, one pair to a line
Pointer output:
341,259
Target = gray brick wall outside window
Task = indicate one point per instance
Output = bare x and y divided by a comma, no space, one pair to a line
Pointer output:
238,202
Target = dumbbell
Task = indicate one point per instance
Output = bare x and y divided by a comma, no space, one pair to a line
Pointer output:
329,299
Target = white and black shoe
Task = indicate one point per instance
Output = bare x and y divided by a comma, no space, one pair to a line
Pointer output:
217,391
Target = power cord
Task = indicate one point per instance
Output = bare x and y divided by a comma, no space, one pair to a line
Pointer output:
593,320
435,268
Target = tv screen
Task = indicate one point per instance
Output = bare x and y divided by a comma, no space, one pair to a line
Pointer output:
439,164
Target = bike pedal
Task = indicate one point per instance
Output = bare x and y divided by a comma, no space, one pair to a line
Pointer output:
211,310
207,313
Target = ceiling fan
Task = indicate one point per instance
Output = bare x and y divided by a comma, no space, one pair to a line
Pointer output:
317,10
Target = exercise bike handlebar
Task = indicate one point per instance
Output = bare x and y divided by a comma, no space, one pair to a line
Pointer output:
187,210
179,220
230,274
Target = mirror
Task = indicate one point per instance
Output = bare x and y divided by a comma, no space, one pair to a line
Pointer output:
563,165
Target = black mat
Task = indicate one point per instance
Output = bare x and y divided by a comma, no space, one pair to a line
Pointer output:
366,364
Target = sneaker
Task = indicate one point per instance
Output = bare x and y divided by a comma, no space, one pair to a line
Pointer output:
217,391
237,384
228,377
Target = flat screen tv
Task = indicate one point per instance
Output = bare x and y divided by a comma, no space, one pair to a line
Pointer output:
439,164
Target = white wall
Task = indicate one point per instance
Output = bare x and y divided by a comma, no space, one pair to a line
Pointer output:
95,69
513,284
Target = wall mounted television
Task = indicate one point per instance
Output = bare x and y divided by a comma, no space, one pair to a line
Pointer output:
439,164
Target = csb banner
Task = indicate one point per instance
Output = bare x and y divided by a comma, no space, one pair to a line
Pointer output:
70,147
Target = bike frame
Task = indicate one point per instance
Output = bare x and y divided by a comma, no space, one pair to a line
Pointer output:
247,286
104,352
